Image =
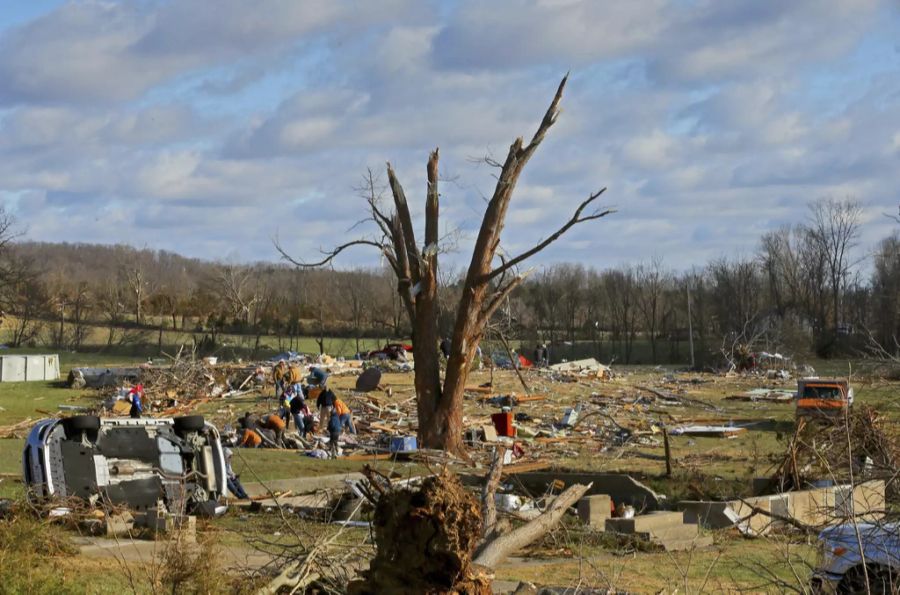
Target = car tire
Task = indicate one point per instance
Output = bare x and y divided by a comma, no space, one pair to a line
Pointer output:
881,581
189,423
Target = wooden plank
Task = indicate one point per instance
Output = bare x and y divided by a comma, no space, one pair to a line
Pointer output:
529,398
485,390
525,467
369,457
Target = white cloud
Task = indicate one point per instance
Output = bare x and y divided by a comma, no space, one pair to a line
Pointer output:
200,126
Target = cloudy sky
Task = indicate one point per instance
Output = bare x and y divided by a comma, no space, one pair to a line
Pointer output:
207,127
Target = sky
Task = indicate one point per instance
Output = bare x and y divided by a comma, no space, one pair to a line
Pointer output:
211,127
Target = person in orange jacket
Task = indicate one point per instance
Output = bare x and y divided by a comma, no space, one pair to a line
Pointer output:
345,415
250,439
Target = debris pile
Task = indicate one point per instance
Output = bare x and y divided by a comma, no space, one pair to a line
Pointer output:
857,446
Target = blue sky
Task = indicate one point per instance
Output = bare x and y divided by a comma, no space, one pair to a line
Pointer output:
208,127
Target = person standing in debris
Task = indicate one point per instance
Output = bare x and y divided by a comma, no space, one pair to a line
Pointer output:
295,377
325,404
301,414
538,355
317,377
278,375
233,480
334,434
478,357
275,424
136,398
345,415
284,411
319,390
445,347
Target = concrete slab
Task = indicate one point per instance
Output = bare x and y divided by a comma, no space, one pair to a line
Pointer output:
646,523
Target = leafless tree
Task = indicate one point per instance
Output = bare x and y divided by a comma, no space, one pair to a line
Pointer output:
834,229
651,281
487,283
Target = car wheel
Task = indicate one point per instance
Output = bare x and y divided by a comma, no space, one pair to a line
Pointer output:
189,423
881,581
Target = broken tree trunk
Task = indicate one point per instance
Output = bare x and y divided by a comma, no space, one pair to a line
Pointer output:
488,505
486,286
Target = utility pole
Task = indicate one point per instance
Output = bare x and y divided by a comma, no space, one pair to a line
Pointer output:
690,324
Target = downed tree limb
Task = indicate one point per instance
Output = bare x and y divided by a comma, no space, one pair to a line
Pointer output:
492,554
673,397
488,505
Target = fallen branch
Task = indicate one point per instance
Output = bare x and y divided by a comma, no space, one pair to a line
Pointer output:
494,553
488,505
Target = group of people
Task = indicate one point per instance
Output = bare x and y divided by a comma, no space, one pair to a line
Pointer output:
333,413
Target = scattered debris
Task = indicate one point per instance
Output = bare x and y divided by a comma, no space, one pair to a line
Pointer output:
708,431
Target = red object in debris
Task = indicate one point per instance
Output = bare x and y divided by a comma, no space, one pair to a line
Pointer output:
524,362
503,422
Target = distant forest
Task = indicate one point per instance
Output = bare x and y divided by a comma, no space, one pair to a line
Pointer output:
801,293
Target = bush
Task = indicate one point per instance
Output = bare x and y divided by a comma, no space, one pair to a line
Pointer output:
29,555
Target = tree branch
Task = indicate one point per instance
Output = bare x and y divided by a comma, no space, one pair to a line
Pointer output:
405,219
488,505
329,256
548,120
575,220
501,294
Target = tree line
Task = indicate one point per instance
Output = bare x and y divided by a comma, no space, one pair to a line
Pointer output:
805,291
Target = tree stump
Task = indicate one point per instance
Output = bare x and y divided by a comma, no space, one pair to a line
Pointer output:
425,541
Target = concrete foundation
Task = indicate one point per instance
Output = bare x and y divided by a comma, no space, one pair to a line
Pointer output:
818,507
667,529
594,510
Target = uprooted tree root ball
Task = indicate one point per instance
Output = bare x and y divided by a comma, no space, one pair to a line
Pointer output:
425,541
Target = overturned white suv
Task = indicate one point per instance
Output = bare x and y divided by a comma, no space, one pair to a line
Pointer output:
141,463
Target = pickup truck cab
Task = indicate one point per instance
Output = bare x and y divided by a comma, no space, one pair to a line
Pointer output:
141,463
823,397
843,567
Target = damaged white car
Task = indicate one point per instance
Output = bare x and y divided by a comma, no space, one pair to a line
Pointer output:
141,463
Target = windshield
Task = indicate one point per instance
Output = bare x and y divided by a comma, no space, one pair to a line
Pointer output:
822,392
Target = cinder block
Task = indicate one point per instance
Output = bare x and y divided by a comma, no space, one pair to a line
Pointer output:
868,500
594,510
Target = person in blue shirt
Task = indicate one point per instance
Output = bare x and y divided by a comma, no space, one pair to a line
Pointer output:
334,433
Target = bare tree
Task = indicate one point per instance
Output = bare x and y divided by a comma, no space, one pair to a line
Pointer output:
135,280
834,227
651,285
239,289
487,284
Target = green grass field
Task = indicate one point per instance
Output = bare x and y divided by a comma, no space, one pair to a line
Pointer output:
715,466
